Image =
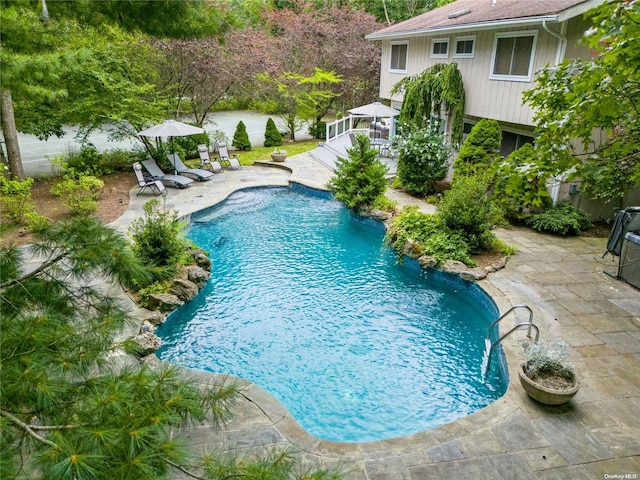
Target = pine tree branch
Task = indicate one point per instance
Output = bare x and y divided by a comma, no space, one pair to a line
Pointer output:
183,470
28,429
37,271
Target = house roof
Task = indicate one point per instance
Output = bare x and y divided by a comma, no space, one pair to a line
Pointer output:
468,15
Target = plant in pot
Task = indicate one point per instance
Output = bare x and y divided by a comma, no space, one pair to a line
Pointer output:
278,155
546,374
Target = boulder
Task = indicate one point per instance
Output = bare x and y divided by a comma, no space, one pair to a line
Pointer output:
459,268
184,289
147,327
197,275
147,343
165,302
412,249
202,261
427,261
155,318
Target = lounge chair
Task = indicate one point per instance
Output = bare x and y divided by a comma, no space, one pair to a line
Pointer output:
156,173
226,159
205,160
182,169
156,186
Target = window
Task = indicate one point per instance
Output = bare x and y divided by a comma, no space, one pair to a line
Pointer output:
399,57
464,47
440,48
513,56
512,141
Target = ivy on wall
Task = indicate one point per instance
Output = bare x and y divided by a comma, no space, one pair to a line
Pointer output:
424,95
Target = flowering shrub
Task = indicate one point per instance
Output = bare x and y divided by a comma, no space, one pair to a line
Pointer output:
423,156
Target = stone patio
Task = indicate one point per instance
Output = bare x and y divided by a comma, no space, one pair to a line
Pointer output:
596,436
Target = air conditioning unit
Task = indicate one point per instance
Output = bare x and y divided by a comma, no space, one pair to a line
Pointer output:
629,269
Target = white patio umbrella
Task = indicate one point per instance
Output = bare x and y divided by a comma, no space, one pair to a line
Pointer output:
170,128
375,109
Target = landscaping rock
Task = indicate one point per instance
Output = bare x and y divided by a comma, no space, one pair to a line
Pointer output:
497,265
184,289
412,249
202,261
155,318
197,275
165,302
427,261
459,268
148,343
147,327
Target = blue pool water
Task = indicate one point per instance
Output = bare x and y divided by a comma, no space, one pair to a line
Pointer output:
306,302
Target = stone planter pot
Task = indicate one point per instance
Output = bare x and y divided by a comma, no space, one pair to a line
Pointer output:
546,395
278,157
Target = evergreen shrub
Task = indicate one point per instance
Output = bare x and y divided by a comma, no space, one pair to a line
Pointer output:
272,136
241,137
359,180
480,149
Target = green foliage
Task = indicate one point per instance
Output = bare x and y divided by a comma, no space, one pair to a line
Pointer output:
563,219
159,287
318,130
79,192
423,157
385,204
15,199
480,149
424,95
430,233
272,136
467,210
67,409
296,98
241,137
519,186
359,180
598,95
159,238
189,144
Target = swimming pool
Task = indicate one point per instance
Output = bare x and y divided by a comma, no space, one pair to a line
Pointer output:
306,302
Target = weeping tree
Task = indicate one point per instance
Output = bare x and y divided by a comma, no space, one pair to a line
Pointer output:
425,96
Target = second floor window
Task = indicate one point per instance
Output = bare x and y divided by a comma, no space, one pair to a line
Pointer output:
513,56
464,47
398,57
440,48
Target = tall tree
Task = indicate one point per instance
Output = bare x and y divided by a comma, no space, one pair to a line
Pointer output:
39,50
330,38
601,94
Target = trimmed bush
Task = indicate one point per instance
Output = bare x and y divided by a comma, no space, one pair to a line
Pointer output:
480,149
241,137
272,137
563,219
360,179
467,210
189,144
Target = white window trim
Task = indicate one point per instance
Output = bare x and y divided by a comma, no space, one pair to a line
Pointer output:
514,78
464,39
439,55
406,60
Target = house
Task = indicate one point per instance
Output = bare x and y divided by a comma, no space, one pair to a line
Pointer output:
498,46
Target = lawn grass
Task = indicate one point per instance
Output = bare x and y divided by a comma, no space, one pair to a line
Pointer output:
263,153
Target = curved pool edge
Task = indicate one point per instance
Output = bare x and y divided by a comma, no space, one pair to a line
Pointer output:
281,420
